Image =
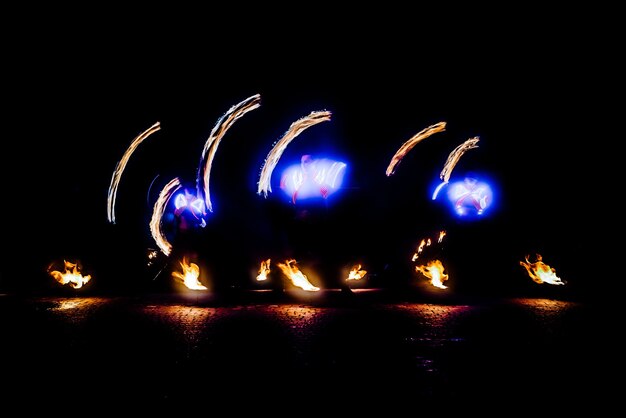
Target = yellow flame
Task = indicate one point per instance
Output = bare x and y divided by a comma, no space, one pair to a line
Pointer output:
291,270
426,242
541,272
356,273
264,270
189,275
434,271
71,275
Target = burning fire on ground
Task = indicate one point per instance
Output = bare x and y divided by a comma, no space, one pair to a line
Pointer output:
71,275
291,270
541,272
356,273
434,269
189,275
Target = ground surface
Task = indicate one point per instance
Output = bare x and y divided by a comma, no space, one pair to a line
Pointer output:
264,352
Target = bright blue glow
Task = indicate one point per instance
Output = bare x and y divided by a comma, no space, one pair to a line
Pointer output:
197,206
189,203
312,178
180,201
436,192
470,197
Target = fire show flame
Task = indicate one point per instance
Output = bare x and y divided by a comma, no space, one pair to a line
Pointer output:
157,215
291,270
189,275
409,144
434,271
296,128
356,273
264,270
121,165
541,272
210,147
426,242
455,156
453,159
70,276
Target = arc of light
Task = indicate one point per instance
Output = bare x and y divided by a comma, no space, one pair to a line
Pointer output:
119,169
455,155
157,215
210,146
295,129
453,159
409,144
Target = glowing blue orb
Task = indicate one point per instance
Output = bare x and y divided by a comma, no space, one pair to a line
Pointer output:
312,178
186,203
470,197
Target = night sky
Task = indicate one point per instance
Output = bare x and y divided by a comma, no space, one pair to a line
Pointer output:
75,109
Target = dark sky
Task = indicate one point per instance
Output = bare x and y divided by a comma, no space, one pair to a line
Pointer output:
79,95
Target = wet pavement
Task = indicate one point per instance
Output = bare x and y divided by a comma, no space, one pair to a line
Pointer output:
263,352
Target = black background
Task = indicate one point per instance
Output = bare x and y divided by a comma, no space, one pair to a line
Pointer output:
535,88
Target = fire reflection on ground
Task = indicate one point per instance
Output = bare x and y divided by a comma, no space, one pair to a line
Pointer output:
157,349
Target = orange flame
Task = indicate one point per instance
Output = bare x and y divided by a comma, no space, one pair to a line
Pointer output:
426,242
434,271
356,273
264,270
541,272
71,275
189,275
291,270
420,248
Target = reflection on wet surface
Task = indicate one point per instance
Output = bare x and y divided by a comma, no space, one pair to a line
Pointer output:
419,351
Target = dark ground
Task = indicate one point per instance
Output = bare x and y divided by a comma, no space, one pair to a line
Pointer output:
302,352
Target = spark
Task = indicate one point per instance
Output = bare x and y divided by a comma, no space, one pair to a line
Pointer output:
279,147
455,155
408,145
210,147
121,165
426,242
157,215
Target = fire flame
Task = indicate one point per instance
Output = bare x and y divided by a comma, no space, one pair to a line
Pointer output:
291,270
434,271
71,275
264,270
426,242
541,272
356,273
189,275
